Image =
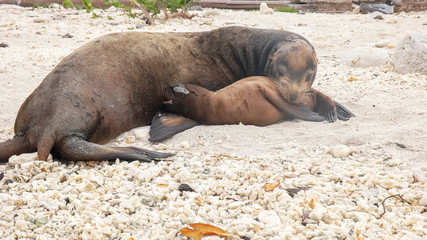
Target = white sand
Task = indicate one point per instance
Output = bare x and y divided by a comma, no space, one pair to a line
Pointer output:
383,150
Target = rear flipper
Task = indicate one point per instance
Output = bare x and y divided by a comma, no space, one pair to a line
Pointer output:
15,146
74,148
343,113
165,125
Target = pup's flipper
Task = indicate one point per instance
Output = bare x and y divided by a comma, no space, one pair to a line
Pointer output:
165,125
303,112
343,113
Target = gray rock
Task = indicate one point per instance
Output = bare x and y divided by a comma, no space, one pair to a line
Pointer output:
112,9
365,57
411,54
213,12
196,8
386,8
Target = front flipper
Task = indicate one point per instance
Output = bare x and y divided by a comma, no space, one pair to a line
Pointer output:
74,148
165,125
303,112
325,106
343,113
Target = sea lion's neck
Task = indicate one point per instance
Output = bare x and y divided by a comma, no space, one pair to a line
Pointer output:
242,52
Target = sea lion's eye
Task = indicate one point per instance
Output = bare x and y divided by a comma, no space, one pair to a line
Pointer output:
308,79
281,72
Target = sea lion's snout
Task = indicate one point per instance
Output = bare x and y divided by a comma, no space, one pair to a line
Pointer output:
290,91
293,97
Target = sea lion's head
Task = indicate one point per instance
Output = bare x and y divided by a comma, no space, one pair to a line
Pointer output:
293,67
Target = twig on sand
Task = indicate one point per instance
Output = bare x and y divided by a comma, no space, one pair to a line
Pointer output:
395,196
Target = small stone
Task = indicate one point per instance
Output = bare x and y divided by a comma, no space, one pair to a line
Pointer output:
365,57
62,177
131,138
41,221
401,145
423,200
112,9
340,151
3,45
67,35
88,187
376,15
8,181
264,9
185,145
140,26
196,8
140,133
411,54
379,17
419,176
23,158
39,20
185,188
55,5
371,192
382,43
61,26
212,12
269,218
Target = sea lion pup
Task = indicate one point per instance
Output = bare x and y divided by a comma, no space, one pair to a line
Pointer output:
251,101
115,83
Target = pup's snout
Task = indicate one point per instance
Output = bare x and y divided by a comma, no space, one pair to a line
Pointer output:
293,97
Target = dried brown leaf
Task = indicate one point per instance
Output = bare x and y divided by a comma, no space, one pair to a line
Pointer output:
353,79
202,229
194,234
271,186
207,229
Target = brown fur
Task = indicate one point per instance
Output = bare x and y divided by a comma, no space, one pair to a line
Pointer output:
251,101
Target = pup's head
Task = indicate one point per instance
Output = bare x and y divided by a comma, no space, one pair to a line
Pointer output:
293,67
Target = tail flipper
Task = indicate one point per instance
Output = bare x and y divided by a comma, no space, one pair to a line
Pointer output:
74,148
15,146
343,113
165,125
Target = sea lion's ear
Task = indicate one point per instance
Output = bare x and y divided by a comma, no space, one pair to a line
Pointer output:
268,64
165,125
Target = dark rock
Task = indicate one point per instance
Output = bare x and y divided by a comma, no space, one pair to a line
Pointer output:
185,187
67,35
8,181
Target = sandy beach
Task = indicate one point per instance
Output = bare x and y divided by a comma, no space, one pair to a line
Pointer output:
344,170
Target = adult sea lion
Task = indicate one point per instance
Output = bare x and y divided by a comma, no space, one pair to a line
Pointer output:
115,83
251,101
